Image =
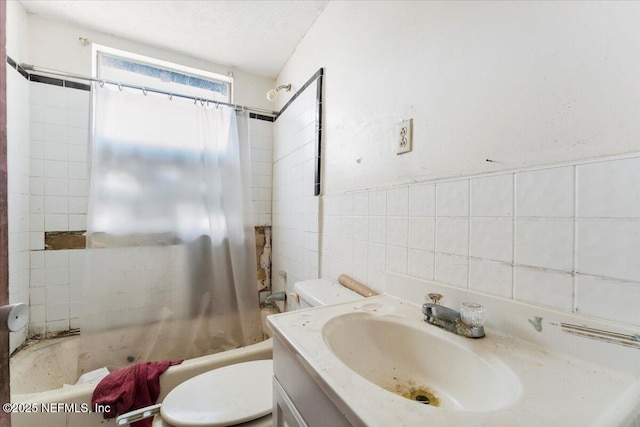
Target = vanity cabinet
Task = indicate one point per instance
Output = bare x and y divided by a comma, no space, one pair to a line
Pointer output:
299,400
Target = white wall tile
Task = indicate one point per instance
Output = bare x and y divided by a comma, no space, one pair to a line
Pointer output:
59,258
421,263
491,277
36,259
56,222
452,198
491,238
361,228
452,236
608,299
422,233
397,259
609,189
397,231
544,288
377,229
360,253
361,203
398,201
608,248
492,196
346,204
545,193
55,186
422,200
377,255
378,202
452,269
546,243
57,295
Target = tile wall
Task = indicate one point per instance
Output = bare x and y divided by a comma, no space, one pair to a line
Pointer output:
295,207
565,237
59,195
261,134
18,192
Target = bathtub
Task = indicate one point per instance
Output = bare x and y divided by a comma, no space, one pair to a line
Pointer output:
67,406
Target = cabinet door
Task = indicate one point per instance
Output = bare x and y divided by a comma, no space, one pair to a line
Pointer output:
285,413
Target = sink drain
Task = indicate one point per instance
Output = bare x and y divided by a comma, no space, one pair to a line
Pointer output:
423,399
423,396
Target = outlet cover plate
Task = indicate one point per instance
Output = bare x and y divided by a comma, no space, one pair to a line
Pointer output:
404,140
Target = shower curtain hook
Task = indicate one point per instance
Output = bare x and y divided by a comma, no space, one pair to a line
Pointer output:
201,102
102,83
120,86
217,105
144,90
207,103
195,101
170,96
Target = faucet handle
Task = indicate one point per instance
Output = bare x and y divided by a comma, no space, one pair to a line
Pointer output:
435,298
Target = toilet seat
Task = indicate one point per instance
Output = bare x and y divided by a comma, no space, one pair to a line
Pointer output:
232,395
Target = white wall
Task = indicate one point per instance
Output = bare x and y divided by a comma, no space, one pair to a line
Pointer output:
520,83
17,35
528,85
55,45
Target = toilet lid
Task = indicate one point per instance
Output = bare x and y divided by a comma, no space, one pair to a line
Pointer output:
226,396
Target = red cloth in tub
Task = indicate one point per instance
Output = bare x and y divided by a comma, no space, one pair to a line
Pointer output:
131,388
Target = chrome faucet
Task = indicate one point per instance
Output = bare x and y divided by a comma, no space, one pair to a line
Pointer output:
278,296
450,319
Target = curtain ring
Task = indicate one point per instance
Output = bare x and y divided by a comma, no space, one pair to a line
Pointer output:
144,90
120,86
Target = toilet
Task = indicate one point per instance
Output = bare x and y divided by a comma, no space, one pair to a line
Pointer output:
240,394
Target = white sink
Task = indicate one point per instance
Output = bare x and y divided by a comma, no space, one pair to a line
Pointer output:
422,362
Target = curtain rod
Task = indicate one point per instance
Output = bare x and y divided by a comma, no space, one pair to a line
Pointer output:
34,68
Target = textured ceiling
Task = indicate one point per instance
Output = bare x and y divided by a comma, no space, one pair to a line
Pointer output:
254,36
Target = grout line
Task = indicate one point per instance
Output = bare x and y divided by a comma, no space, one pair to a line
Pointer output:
575,241
513,247
468,233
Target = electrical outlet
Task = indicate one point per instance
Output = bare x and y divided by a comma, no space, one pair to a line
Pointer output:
405,137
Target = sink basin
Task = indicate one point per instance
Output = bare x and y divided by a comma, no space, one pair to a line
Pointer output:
422,362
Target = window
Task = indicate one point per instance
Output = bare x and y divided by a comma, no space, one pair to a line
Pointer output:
126,67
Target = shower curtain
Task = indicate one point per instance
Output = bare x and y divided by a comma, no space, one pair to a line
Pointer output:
170,268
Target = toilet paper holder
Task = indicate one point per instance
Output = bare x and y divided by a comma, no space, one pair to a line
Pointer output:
14,316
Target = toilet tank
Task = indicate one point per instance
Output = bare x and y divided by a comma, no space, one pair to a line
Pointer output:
317,292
